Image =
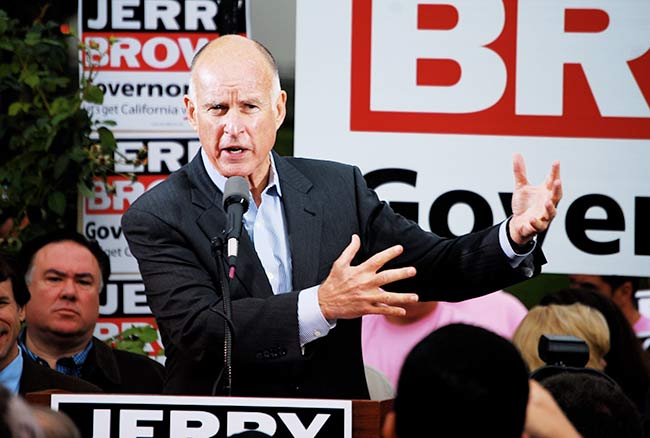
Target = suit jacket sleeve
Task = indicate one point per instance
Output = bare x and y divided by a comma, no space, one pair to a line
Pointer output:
184,291
448,269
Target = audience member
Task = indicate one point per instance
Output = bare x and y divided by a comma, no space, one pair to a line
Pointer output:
626,362
65,274
577,320
500,312
621,290
55,424
544,418
387,339
465,381
18,372
16,417
595,405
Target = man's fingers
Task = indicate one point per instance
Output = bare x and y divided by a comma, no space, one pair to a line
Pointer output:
393,275
381,258
556,193
519,169
349,252
389,303
554,175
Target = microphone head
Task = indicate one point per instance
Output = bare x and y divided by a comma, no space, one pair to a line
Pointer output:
236,191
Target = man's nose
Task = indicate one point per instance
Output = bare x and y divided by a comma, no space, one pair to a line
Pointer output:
69,289
234,123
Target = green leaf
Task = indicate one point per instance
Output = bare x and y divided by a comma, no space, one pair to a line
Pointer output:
31,79
56,203
94,94
17,107
60,104
61,165
106,138
32,38
85,191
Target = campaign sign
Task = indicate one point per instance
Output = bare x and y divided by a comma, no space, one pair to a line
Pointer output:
104,416
432,98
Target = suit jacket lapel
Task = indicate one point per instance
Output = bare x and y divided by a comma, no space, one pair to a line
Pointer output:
304,221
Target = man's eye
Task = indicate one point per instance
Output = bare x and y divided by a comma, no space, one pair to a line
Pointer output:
53,279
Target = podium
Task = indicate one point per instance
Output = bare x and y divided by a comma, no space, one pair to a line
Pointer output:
116,415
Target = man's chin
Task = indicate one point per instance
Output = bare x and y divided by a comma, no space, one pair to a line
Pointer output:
67,332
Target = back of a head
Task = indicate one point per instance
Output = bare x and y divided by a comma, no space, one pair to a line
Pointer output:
16,417
462,381
595,405
55,424
575,319
627,363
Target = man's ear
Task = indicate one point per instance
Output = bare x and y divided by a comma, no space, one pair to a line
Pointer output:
623,294
280,109
388,429
191,110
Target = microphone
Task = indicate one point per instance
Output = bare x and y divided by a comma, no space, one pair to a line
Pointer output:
235,203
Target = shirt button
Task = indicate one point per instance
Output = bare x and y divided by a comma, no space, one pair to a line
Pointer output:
317,333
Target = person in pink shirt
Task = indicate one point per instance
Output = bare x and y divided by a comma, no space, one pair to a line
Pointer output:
622,291
500,312
386,340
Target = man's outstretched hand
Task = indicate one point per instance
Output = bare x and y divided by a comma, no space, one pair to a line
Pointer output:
353,291
533,207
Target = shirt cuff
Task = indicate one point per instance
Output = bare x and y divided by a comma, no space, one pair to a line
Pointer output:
312,324
515,259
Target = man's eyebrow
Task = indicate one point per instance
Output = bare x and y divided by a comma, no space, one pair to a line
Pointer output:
63,274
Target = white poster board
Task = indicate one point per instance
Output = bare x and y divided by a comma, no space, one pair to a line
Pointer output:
445,92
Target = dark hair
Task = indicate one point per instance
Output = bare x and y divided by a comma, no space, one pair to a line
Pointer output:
5,398
626,362
615,281
462,381
9,272
595,405
30,248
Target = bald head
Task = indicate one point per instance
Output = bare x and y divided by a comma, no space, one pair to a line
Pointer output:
234,49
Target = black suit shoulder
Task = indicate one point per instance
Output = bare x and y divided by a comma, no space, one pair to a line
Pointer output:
37,377
118,371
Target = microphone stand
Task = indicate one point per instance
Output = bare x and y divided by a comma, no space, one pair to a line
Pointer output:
218,244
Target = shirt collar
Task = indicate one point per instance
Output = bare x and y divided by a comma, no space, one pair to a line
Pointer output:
220,180
63,364
10,375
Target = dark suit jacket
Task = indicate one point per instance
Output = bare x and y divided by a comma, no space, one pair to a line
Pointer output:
37,377
118,371
169,229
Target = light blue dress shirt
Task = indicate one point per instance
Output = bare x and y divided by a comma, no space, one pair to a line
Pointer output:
10,376
266,227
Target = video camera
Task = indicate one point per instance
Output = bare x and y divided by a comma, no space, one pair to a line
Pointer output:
563,350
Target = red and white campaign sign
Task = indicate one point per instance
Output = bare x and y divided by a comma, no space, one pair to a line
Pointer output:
102,214
142,55
432,98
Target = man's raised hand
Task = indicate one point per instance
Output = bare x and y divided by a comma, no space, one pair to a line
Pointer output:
533,207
